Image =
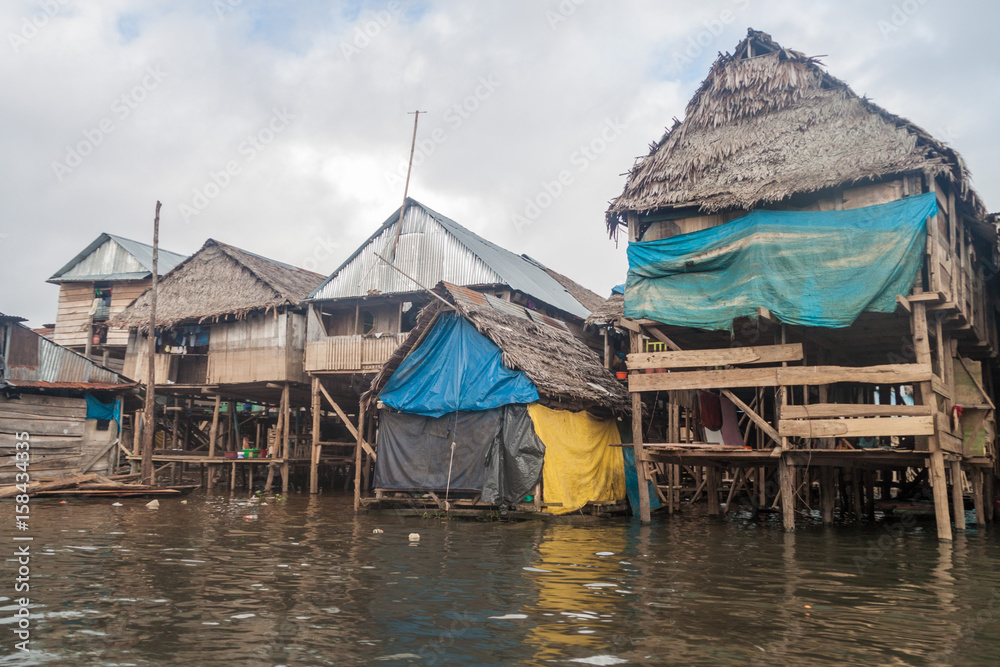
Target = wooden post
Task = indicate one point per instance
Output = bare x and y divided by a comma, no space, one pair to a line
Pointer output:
316,447
977,494
286,399
357,459
921,346
957,499
786,471
828,492
148,474
214,430
712,489
635,341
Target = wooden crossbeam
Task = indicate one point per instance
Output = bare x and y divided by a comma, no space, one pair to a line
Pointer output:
729,356
782,376
847,428
828,410
757,419
347,421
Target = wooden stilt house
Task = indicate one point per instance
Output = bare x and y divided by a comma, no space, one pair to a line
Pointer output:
230,328
824,271
64,409
368,306
485,404
98,284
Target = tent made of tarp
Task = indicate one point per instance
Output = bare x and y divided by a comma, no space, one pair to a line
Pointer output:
809,268
455,369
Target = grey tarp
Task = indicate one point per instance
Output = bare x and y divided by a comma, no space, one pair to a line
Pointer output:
514,462
496,452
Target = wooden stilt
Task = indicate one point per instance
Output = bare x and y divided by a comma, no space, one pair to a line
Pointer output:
921,346
869,476
285,440
786,477
357,459
856,494
269,483
761,486
232,477
977,495
316,447
957,497
213,433
828,493
635,340
712,475
989,493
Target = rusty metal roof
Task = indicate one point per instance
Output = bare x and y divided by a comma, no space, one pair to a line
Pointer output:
87,386
30,357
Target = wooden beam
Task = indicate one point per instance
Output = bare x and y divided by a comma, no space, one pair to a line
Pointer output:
957,499
754,417
850,428
776,377
635,341
978,384
213,433
347,421
729,356
828,410
316,446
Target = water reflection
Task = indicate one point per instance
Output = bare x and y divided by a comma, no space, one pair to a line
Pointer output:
227,580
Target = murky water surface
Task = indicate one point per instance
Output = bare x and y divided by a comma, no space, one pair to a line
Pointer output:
222,580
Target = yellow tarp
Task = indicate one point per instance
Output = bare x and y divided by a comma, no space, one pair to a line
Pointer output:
579,464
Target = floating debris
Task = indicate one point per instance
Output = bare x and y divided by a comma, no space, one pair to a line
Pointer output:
510,617
153,504
414,537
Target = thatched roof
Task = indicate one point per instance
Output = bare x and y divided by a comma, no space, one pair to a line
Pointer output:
611,310
218,281
768,123
562,367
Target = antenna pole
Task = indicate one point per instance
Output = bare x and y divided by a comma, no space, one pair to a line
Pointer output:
406,188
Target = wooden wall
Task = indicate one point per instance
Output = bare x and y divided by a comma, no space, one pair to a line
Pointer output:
60,435
75,299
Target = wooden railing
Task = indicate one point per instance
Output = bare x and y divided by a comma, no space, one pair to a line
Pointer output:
359,353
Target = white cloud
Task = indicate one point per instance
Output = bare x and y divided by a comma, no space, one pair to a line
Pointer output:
321,182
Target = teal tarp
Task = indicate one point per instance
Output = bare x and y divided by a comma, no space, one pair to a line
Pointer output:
98,410
810,268
455,369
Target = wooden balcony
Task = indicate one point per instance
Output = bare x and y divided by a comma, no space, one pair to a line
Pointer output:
351,354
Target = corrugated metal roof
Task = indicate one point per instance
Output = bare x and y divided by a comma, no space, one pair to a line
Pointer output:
433,248
50,362
111,257
426,251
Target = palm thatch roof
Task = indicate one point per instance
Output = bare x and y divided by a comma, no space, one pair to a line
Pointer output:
564,370
611,310
768,123
219,281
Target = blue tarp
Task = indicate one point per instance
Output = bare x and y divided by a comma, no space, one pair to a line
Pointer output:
632,483
809,268
455,369
98,410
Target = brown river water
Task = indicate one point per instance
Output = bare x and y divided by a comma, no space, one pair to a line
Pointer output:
222,580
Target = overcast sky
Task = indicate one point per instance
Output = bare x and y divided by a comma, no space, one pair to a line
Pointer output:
282,127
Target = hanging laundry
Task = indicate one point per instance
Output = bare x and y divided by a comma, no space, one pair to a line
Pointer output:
711,412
